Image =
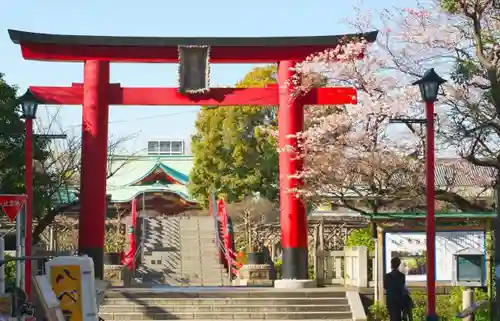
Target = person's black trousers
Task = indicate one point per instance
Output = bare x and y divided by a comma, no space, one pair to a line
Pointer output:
395,313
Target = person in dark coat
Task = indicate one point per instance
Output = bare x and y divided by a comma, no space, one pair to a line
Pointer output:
394,285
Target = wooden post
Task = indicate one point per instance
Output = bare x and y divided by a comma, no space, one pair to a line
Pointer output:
315,251
468,301
320,259
379,278
322,235
489,263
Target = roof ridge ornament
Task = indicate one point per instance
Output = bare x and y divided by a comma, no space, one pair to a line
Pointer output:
194,69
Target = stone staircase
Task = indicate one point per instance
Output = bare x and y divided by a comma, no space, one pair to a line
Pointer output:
181,251
226,303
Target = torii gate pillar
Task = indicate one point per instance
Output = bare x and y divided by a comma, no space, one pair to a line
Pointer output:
95,115
292,210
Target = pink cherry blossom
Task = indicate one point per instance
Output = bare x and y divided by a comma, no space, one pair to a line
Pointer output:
351,151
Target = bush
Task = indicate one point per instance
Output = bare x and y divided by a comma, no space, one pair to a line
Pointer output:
447,306
10,275
242,258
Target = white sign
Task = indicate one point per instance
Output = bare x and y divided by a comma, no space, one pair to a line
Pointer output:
411,249
73,282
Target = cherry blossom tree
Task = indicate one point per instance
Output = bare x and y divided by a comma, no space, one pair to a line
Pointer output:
352,154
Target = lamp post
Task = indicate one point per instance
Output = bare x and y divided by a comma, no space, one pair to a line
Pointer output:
429,86
29,105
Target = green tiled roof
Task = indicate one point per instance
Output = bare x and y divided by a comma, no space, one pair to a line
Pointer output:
131,169
127,193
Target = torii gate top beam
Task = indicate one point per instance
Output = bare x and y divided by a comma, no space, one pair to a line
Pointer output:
50,47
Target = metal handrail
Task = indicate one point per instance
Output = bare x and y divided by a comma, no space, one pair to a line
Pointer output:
229,254
474,308
137,253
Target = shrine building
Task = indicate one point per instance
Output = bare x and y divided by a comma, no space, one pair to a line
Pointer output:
157,179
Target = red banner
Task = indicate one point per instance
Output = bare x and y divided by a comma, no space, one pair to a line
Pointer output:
11,204
129,257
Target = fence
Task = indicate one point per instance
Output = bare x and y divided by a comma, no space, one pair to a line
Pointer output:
352,267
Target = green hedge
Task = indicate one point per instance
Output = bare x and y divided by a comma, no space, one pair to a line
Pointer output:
447,306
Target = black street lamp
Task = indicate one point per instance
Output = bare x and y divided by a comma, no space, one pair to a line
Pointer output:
29,105
429,85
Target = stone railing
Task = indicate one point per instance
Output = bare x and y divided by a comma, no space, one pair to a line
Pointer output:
351,267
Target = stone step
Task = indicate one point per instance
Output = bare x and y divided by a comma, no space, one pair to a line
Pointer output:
229,308
341,301
195,277
226,294
195,283
193,233
207,236
350,319
195,269
192,283
196,236
209,257
198,264
154,314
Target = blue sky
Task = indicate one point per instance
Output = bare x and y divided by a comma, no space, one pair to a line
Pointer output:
157,18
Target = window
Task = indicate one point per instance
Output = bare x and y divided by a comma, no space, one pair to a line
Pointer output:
164,147
177,147
469,267
153,147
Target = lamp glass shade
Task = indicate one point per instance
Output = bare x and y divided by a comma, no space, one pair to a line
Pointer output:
429,85
429,91
29,108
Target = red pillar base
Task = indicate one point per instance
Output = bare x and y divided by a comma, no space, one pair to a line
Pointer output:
94,163
295,264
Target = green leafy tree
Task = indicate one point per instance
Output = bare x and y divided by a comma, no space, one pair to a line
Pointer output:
361,237
12,162
232,152
56,169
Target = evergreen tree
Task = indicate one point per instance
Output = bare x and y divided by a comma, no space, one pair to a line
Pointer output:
232,152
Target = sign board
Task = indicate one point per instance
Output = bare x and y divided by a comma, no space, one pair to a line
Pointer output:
11,204
411,248
73,282
469,268
48,299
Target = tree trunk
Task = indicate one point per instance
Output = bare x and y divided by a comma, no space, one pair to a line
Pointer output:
48,219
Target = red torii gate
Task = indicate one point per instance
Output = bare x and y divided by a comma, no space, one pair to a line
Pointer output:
193,55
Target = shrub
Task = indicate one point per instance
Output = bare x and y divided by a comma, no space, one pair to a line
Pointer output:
242,258
447,306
